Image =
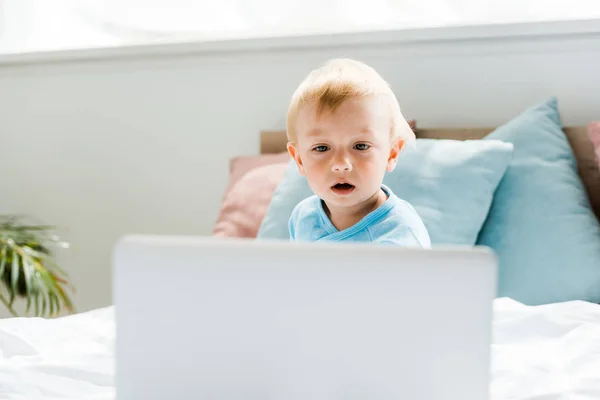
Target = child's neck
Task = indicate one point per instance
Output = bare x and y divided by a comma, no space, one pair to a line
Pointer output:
344,217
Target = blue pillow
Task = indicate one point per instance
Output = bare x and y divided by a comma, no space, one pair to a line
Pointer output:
540,223
449,182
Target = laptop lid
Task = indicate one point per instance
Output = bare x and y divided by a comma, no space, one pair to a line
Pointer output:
207,318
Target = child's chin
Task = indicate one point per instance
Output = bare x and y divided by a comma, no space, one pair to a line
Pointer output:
341,201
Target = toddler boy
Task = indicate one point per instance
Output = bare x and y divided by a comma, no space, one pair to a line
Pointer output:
345,130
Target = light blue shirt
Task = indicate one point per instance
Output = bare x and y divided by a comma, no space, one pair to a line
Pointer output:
394,222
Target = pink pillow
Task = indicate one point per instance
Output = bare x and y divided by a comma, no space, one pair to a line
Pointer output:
594,133
239,166
252,181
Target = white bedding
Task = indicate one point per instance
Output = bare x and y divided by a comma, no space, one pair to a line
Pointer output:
542,353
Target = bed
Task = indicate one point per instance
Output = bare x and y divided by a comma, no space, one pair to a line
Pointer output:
539,351
546,352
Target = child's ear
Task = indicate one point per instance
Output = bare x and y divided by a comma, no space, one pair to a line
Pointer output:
293,150
395,149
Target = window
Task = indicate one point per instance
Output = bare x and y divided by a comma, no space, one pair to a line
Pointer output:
42,25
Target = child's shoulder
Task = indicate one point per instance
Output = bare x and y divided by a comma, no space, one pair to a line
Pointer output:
402,208
306,207
304,220
404,220
404,213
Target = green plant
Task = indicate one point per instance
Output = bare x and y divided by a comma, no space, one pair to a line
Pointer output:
28,270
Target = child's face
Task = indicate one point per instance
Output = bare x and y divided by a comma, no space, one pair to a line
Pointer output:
345,154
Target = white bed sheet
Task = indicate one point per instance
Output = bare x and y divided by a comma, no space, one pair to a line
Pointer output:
547,352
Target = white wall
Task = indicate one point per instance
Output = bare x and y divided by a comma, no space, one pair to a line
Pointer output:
138,140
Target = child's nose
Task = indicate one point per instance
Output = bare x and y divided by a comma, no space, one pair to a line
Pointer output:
342,165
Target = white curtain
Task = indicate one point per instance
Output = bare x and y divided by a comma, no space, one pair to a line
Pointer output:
41,25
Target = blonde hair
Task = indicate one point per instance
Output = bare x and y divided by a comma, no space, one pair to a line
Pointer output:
338,80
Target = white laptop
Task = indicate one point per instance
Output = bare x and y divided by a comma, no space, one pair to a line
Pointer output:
207,318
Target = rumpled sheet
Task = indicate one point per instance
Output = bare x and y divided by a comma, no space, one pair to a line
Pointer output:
65,358
549,352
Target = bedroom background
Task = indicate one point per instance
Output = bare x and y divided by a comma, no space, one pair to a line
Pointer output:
118,118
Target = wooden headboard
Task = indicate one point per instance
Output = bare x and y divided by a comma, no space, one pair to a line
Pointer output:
275,141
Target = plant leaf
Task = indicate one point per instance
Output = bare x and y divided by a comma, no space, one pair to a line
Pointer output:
39,284
34,228
3,260
57,302
49,282
66,300
37,305
15,272
45,296
48,260
8,305
28,307
28,271
52,297
44,304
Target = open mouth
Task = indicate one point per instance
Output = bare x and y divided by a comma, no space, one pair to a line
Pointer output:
342,188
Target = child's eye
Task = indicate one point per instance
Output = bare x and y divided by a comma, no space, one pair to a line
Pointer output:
320,149
361,146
